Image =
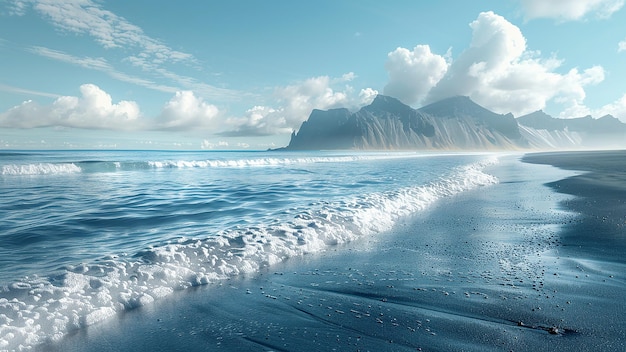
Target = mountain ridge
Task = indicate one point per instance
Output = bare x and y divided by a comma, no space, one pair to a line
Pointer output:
455,123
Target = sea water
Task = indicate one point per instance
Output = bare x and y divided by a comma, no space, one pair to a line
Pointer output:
85,235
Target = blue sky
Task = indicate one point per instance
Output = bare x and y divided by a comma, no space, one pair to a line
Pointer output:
243,74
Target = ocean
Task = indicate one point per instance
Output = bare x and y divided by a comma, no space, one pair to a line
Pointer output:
85,235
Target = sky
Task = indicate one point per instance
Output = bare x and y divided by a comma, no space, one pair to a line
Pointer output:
235,74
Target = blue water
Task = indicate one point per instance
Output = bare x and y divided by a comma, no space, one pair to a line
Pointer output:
87,234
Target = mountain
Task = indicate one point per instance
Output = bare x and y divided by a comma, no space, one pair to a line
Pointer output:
455,123
583,132
387,123
464,107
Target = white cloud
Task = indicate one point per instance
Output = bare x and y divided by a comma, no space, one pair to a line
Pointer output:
295,103
366,96
12,89
108,29
413,73
498,72
206,144
567,10
185,111
314,93
616,109
346,77
258,121
621,46
94,109
99,64
17,8
114,32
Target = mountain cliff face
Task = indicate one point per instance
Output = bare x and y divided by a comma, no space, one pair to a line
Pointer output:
388,124
584,132
455,123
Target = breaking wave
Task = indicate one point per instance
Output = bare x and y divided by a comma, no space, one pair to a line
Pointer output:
93,166
39,309
40,169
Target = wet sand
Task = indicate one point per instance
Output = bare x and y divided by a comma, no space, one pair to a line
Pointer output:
600,200
514,266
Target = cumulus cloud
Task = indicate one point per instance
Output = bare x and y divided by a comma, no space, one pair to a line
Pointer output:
257,121
94,109
568,10
366,96
206,144
413,73
498,72
294,105
616,109
621,46
188,111
185,111
299,99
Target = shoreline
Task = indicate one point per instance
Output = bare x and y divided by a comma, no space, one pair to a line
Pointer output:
600,199
490,269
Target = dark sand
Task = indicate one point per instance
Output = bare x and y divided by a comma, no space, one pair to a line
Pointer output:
500,268
601,200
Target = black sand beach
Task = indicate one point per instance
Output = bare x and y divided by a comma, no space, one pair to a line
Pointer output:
600,199
511,267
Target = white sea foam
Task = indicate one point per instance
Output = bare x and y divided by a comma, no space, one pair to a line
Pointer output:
262,162
78,166
40,309
40,169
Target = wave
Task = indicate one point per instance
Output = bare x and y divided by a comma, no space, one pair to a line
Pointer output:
261,162
96,166
36,310
40,169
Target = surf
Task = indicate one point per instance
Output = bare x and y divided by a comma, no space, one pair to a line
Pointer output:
43,308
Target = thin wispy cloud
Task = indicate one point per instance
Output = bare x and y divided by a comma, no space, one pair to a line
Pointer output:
106,28
570,10
29,92
153,57
99,64
204,89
